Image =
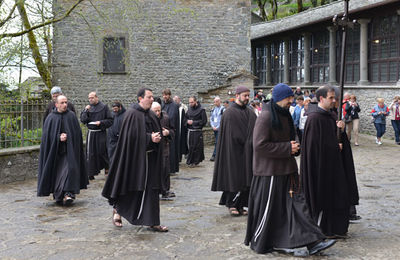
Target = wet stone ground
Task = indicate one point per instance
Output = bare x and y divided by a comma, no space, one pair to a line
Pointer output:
36,228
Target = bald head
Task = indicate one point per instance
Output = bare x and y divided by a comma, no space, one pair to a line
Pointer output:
217,101
177,100
61,103
93,99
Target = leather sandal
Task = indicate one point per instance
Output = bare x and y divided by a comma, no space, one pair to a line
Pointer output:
117,221
158,228
234,212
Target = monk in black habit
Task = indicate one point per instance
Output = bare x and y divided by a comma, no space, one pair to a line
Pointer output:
348,164
97,117
113,131
234,157
62,168
167,136
135,180
196,119
172,110
324,179
278,216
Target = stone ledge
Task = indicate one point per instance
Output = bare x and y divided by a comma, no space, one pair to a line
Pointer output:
19,150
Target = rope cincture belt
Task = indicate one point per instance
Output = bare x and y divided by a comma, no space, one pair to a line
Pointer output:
191,130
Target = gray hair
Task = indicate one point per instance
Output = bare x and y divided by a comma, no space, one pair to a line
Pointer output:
55,89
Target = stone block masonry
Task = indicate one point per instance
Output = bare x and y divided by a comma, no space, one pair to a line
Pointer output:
184,45
18,164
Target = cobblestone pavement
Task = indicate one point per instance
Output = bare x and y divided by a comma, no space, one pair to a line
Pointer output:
35,228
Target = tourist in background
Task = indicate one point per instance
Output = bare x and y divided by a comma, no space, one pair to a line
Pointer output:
215,120
352,119
303,116
296,115
379,114
395,118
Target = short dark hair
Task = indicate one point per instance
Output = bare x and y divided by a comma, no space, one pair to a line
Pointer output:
116,103
226,101
166,91
142,92
300,98
158,100
323,91
194,98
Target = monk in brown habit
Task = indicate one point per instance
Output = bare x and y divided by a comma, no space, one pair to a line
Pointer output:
234,154
279,219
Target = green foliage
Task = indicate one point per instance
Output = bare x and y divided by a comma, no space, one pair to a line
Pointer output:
288,7
11,134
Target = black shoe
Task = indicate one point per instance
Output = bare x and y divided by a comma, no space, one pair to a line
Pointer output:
68,200
354,217
297,252
170,194
212,158
91,178
321,246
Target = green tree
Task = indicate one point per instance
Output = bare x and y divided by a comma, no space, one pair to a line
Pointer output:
33,18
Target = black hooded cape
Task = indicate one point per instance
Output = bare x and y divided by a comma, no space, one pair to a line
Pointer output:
172,110
113,131
96,142
233,162
50,149
128,169
323,176
195,134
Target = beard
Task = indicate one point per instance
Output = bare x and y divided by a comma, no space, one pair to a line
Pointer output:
243,102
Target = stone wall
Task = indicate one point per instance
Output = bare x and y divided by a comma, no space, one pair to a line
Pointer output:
366,98
227,91
184,45
18,164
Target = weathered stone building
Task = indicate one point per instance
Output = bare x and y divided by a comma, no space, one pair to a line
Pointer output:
304,50
118,46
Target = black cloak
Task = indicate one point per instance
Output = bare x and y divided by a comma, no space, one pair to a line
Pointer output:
195,134
233,162
128,169
96,141
172,110
49,154
113,131
324,180
348,164
182,133
52,106
166,142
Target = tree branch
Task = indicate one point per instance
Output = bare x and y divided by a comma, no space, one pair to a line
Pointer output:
9,15
42,24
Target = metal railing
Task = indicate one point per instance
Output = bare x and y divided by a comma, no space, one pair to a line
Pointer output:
21,121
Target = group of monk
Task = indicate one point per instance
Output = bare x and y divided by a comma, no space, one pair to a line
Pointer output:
291,211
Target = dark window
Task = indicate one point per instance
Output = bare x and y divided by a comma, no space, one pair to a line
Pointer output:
114,55
296,52
352,69
277,62
260,64
384,55
320,57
